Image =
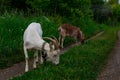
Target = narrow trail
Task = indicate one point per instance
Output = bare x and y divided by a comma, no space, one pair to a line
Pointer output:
18,69
112,69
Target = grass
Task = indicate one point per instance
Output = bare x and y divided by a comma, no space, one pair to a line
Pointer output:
11,37
12,27
79,63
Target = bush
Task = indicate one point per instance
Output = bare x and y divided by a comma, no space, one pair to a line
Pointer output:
102,13
116,12
60,7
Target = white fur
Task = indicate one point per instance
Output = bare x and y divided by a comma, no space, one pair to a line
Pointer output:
33,40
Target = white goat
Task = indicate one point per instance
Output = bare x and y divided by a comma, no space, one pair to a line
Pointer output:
33,40
70,30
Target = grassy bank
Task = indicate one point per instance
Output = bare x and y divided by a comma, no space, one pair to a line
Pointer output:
79,63
12,27
11,36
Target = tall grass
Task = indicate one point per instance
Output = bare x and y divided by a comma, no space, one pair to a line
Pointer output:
79,63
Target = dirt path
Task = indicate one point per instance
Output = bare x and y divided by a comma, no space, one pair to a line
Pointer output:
112,69
18,69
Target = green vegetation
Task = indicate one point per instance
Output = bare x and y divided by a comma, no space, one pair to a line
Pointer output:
82,62
116,12
12,29
11,36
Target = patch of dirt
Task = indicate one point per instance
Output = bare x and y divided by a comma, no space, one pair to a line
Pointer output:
15,70
112,69
18,69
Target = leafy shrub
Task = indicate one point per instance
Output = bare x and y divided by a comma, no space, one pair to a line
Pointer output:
102,13
116,12
60,7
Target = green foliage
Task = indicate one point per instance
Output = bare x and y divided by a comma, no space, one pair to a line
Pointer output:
87,28
78,12
97,2
113,2
102,12
76,8
20,5
13,26
82,64
61,7
116,12
79,63
9,41
11,36
4,4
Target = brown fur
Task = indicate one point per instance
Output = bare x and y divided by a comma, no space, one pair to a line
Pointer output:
72,31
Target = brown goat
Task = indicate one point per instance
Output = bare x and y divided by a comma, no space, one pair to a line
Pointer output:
71,31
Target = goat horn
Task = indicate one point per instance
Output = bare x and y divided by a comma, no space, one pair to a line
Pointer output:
49,39
58,44
55,39
54,42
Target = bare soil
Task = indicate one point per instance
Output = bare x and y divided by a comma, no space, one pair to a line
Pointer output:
112,69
